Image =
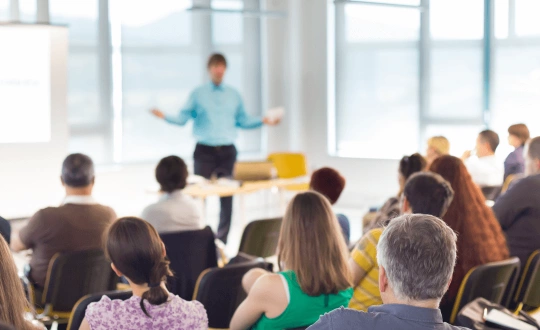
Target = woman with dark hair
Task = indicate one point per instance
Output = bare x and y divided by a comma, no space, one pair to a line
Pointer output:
137,252
408,165
480,237
518,135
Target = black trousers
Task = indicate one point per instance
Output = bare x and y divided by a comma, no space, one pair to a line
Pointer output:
218,161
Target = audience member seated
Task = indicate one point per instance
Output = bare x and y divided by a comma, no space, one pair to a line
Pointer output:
514,164
78,224
5,229
417,254
485,168
407,167
518,210
12,297
330,183
481,239
137,253
437,146
315,276
426,193
174,211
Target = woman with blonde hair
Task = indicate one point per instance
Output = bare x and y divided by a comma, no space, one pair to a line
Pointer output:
437,146
315,277
12,298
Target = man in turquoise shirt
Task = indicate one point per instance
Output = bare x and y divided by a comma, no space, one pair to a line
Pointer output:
217,111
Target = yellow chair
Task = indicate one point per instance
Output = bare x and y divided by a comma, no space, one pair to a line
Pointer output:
289,166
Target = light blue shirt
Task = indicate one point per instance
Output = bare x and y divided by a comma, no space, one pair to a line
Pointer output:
217,112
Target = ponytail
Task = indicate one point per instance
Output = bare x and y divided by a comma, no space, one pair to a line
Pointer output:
156,295
412,164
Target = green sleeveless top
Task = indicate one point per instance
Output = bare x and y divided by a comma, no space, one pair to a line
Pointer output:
303,310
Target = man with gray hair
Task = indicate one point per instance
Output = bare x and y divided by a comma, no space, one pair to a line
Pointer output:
78,224
518,210
416,256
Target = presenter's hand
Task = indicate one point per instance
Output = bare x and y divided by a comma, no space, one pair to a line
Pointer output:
158,113
271,122
466,155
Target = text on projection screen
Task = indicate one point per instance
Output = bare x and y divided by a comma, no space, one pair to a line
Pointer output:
25,85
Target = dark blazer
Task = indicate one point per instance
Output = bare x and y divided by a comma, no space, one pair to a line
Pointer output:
514,163
518,212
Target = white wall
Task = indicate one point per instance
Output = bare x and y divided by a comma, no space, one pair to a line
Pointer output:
29,173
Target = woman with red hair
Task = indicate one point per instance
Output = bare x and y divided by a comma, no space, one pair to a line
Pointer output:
480,237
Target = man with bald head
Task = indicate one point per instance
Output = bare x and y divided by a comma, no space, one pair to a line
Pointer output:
78,224
518,210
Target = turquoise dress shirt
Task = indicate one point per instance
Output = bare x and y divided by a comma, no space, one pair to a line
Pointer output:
217,111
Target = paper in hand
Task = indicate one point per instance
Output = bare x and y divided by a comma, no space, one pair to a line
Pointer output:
276,113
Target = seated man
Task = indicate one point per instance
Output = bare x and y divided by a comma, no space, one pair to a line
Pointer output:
417,254
78,224
518,210
424,192
330,184
174,211
486,169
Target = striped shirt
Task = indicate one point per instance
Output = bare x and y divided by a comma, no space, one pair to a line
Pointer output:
364,254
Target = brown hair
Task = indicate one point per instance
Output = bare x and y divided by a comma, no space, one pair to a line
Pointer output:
312,246
12,297
328,182
171,173
521,131
216,59
481,239
491,138
135,249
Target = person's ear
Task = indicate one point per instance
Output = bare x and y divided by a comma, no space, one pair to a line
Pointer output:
93,181
117,272
383,279
405,206
62,181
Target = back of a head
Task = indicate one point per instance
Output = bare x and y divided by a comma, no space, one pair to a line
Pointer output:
491,138
412,164
328,182
135,249
533,148
171,174
440,144
78,171
418,253
468,202
12,297
521,131
311,244
428,193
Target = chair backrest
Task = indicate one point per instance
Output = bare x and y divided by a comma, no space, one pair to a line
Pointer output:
289,165
220,291
73,275
528,291
79,309
260,237
489,281
190,253
491,192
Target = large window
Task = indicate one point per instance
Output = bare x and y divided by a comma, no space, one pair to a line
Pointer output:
128,56
408,70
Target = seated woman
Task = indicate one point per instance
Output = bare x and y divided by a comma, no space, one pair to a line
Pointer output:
480,237
315,277
408,165
136,252
437,146
514,164
330,184
174,211
12,297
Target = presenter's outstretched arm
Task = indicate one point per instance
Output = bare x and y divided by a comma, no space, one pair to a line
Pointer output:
187,113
